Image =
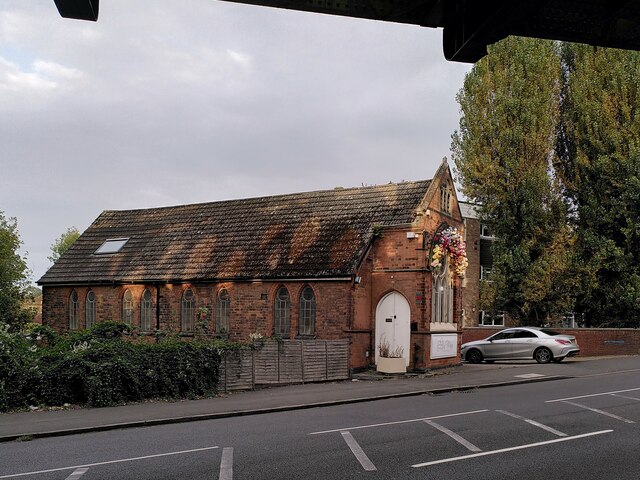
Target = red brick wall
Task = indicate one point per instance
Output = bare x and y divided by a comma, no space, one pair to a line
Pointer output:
593,342
251,306
471,284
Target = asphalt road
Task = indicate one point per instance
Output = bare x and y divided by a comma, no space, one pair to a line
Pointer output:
585,428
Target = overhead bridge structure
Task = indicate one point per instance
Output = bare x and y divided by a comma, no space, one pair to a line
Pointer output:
468,25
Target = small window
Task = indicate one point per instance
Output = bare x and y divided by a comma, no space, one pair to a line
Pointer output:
188,310
281,320
127,307
223,311
485,232
90,312
146,311
485,273
491,319
73,311
445,198
111,245
307,311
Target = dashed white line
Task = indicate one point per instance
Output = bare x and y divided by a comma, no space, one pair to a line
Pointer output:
358,452
454,435
510,449
77,473
592,395
133,459
226,464
534,423
398,422
601,412
625,396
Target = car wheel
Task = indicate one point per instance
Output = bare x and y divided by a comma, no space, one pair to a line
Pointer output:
474,356
543,355
558,360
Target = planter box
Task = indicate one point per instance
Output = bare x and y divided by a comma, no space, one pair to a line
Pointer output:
391,365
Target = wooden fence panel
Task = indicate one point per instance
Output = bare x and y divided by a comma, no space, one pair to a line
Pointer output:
315,361
267,363
291,362
238,374
338,360
286,361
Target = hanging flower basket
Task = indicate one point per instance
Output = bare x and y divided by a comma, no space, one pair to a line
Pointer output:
449,242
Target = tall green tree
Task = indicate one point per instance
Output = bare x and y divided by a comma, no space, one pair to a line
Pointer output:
504,152
599,148
63,243
14,274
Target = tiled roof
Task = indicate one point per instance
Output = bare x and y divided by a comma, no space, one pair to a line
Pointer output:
303,235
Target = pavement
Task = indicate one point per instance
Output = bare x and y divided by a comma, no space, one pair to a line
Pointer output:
362,387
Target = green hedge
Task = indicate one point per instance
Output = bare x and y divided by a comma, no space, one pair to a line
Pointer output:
98,367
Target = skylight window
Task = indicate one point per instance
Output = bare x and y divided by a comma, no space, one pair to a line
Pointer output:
111,245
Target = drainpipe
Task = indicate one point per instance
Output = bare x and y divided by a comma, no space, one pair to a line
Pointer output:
157,306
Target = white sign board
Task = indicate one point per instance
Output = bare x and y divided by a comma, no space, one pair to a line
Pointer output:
444,345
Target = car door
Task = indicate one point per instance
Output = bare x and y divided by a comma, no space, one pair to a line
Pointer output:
523,343
498,347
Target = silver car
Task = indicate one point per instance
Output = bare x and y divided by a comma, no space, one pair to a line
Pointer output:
522,343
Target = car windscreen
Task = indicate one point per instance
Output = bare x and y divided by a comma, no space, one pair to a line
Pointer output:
550,332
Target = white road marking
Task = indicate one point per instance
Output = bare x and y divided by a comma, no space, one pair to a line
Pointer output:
454,435
530,375
592,395
358,452
534,423
77,474
625,396
601,412
133,459
398,422
226,464
510,449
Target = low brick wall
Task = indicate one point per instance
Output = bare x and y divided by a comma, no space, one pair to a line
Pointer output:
593,342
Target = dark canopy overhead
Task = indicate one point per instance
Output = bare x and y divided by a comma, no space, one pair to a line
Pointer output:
469,25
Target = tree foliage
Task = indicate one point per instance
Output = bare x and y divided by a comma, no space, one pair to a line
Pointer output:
549,145
62,244
599,146
14,274
504,153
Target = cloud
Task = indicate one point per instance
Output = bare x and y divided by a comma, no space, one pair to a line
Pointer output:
161,103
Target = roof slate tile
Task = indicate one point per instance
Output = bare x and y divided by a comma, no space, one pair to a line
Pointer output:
303,235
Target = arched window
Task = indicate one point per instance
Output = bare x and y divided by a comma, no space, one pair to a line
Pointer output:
281,318
442,294
445,198
307,311
73,311
90,311
223,311
188,310
146,311
127,307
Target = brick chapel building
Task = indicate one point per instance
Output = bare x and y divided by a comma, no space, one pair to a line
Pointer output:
351,263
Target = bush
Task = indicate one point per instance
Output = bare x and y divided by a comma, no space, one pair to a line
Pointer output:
17,367
100,367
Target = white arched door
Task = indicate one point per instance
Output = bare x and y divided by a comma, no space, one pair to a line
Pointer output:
393,324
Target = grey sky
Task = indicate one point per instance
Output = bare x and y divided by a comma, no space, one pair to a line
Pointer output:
164,103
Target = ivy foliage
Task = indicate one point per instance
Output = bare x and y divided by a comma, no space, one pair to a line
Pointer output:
101,366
